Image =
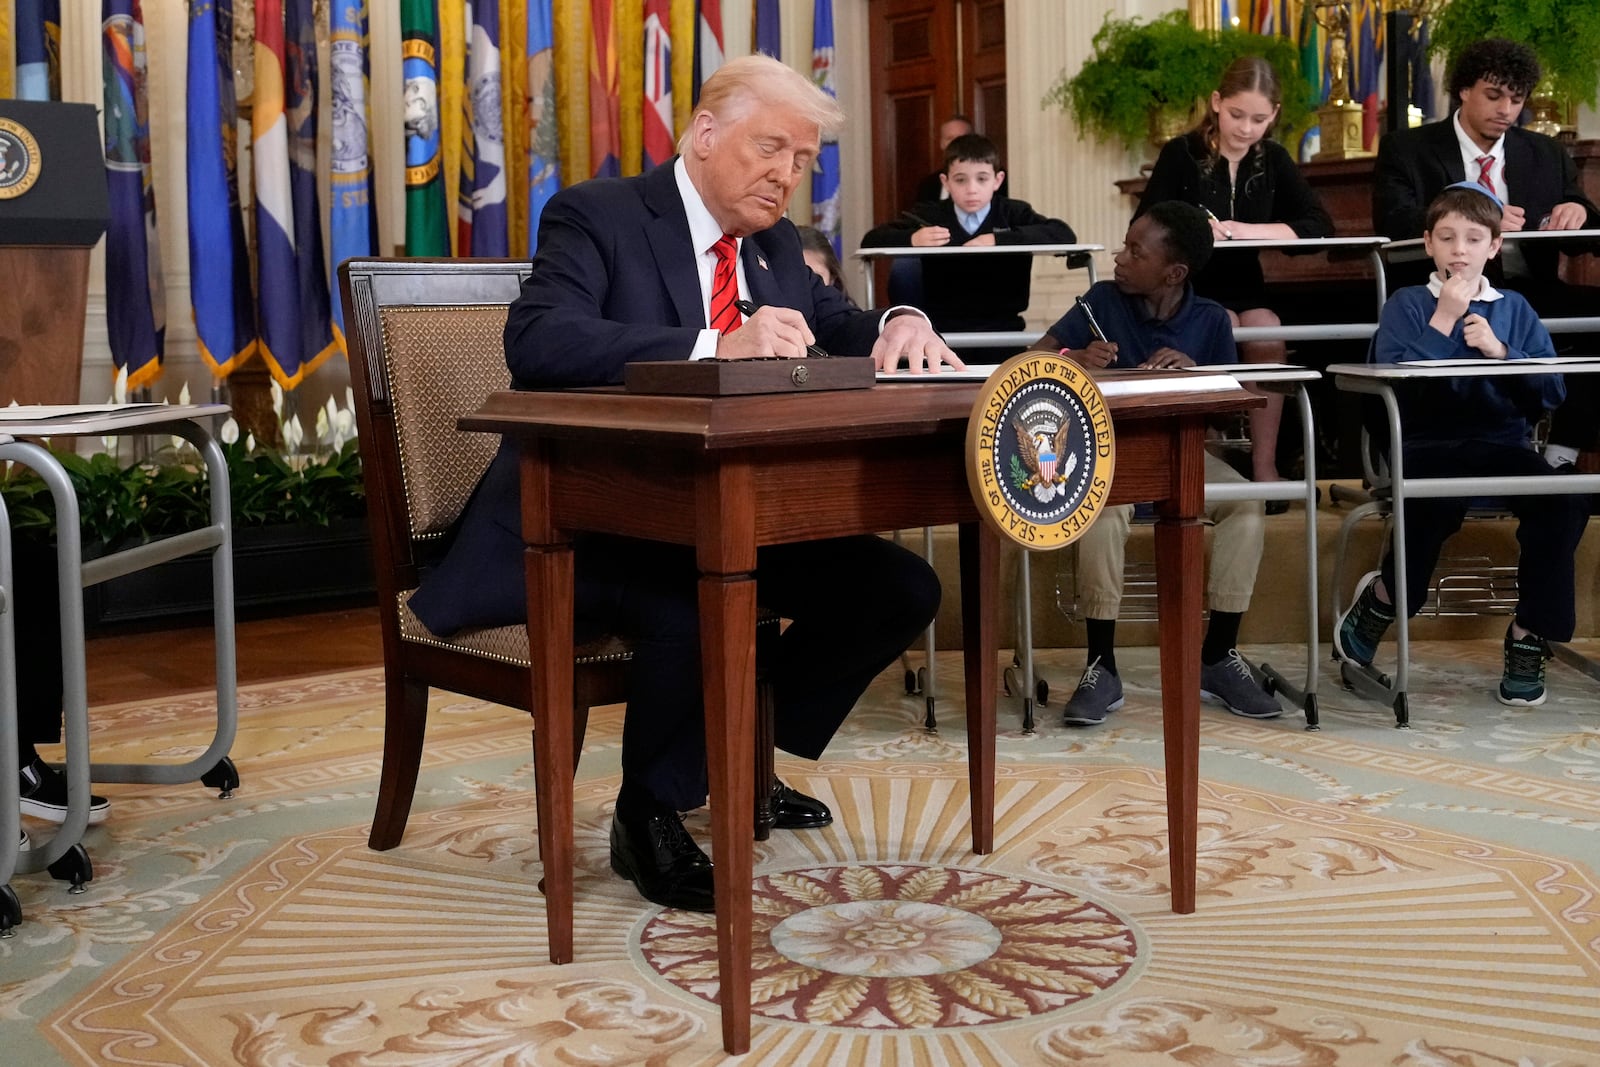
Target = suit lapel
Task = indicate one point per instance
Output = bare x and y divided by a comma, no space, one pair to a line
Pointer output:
671,245
1447,150
758,275
1521,172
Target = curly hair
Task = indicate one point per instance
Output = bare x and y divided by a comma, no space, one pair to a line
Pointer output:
1508,64
1186,233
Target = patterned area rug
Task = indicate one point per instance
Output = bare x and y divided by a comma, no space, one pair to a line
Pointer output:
1367,895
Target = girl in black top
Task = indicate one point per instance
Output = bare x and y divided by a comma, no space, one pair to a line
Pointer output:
1254,191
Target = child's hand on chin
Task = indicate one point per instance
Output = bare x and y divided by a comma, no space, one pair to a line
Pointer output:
1456,292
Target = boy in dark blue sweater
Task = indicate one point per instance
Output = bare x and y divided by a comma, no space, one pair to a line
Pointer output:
1473,426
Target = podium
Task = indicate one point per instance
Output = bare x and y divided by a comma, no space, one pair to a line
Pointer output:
53,209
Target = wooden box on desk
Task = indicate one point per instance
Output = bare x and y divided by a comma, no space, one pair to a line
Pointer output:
740,377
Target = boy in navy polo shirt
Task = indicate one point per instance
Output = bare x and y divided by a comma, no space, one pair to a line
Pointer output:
1473,426
1153,319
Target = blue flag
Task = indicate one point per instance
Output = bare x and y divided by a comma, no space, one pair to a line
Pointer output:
136,313
310,265
769,28
544,145
219,272
37,31
825,173
481,217
352,222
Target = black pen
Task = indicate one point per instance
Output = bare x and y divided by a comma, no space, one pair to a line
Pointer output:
914,217
748,308
1094,326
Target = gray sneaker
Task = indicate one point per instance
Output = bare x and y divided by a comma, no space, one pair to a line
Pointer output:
1229,682
1099,693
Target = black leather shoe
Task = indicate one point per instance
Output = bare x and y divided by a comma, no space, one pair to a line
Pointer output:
793,810
651,849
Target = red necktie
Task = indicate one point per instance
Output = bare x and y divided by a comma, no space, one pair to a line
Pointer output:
1485,173
725,317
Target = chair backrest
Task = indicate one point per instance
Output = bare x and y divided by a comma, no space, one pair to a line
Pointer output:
426,347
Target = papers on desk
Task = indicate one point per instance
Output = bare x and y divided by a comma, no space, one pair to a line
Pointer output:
975,372
38,412
1117,383
1228,368
1547,361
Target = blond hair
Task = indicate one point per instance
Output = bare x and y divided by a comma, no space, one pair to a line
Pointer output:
740,84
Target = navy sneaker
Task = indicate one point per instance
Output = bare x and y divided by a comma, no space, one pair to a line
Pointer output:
1229,682
1099,693
1522,683
44,794
1356,633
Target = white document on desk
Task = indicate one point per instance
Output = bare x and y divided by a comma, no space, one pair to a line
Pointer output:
1229,368
1542,361
1121,386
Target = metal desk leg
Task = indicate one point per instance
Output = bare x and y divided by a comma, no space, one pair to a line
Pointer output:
10,821
63,854
1276,682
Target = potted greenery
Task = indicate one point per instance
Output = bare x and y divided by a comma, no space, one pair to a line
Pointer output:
298,519
1564,35
1146,80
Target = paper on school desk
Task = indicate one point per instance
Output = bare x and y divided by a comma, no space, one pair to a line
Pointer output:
1225,368
1126,383
1487,362
40,412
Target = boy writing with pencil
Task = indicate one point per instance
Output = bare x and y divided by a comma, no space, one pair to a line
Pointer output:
1473,426
1149,317
973,293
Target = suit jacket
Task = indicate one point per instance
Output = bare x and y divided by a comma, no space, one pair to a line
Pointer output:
967,292
1415,165
614,281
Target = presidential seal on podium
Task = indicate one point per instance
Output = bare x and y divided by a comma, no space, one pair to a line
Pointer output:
1040,450
20,161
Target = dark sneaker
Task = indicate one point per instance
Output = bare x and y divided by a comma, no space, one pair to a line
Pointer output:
1229,682
1098,694
44,795
1522,684
1357,632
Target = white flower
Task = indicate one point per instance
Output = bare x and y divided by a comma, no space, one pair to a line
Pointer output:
183,394
277,400
119,387
293,434
323,425
229,432
250,442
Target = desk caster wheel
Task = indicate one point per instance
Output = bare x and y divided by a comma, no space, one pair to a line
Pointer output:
74,867
10,911
224,776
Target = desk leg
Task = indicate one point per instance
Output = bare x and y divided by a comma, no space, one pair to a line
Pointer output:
1180,562
728,657
980,564
549,579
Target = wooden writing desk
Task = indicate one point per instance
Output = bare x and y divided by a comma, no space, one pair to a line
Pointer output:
732,473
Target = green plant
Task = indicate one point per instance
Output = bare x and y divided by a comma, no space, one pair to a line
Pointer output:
121,504
1145,74
1564,35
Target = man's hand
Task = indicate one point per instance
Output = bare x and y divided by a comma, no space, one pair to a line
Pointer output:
1513,219
1568,216
1220,231
983,240
1166,359
930,237
1477,334
771,331
911,338
1098,354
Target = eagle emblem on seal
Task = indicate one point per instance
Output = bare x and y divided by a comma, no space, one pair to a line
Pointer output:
1041,469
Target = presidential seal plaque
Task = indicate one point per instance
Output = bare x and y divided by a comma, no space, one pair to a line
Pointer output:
1040,451
20,161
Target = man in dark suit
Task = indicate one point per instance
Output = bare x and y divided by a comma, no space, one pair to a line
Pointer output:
1531,174
651,268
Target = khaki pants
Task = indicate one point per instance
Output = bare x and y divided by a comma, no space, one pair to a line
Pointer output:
1235,552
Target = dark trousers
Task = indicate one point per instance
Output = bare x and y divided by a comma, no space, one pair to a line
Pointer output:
1548,531
855,603
37,624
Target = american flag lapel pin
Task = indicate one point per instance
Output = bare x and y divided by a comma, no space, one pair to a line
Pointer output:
761,263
